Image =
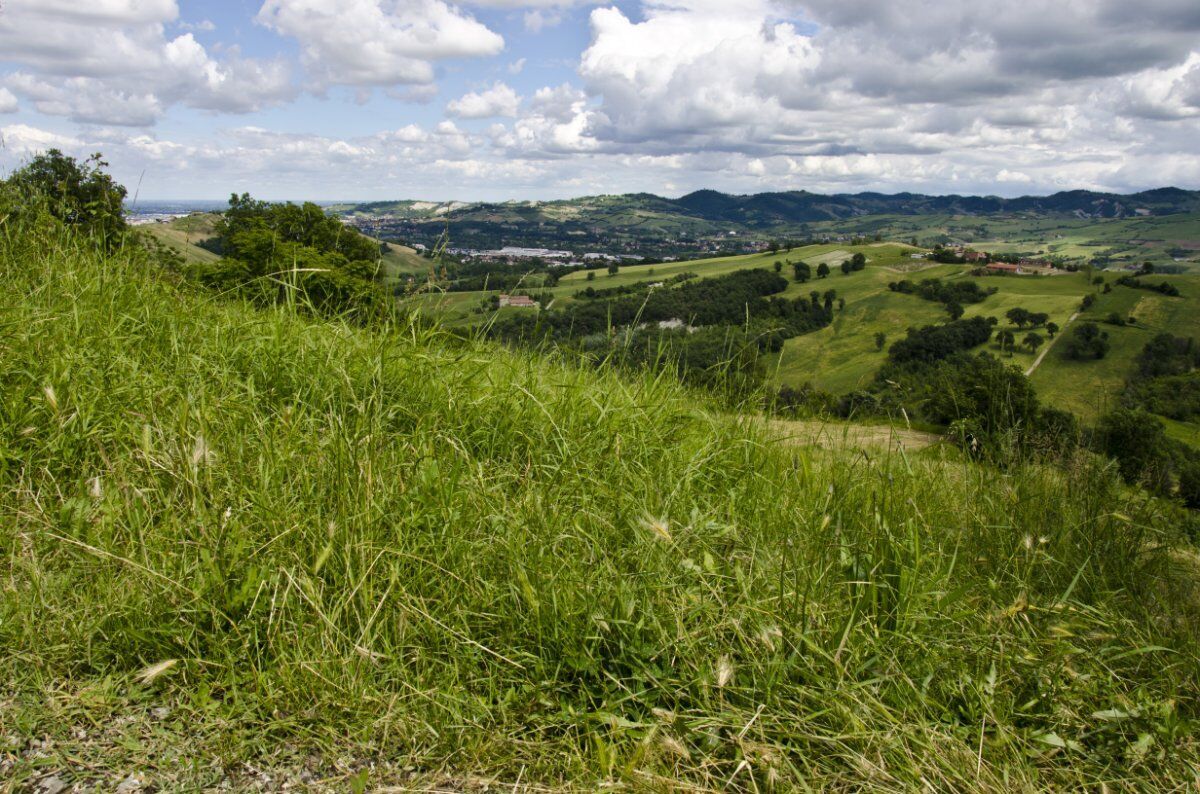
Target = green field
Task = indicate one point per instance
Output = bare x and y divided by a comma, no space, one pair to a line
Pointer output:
243,548
1164,240
1089,388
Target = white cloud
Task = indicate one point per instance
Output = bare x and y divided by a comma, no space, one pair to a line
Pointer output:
538,20
110,61
378,42
22,139
8,101
499,100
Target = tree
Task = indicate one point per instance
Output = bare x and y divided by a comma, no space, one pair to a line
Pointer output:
80,195
841,304
822,270
1032,341
954,309
1087,341
1006,340
802,271
1018,316
1189,485
815,297
829,297
613,269
1051,329
591,276
846,267
880,340
778,266
1138,442
858,261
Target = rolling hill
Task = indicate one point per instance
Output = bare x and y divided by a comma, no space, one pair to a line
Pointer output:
774,210
245,548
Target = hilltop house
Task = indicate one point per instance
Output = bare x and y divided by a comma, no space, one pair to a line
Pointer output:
518,301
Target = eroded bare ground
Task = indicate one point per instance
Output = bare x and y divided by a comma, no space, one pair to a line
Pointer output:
828,435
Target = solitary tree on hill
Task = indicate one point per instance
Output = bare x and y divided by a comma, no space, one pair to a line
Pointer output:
1032,341
778,266
846,267
822,270
613,269
880,340
1051,329
802,271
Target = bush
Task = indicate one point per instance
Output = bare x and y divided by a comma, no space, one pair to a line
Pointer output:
81,195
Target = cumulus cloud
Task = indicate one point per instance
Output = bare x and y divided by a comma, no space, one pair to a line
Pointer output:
111,62
499,100
8,102
378,42
934,95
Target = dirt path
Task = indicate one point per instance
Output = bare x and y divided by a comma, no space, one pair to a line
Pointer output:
1046,350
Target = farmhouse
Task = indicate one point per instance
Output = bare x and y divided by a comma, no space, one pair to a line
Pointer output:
1005,267
975,256
518,301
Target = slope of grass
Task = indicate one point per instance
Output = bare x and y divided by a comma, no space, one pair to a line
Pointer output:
238,545
1089,388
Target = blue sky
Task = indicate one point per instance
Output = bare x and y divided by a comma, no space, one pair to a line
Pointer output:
539,99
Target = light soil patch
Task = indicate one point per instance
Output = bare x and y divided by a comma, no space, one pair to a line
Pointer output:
829,258
829,435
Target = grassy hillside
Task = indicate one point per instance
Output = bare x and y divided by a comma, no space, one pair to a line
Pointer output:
844,356
1091,387
243,548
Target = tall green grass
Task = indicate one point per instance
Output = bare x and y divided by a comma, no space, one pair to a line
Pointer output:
388,555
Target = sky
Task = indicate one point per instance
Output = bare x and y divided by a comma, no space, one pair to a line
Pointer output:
545,99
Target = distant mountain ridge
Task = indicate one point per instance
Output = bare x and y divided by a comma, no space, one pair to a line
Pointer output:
769,210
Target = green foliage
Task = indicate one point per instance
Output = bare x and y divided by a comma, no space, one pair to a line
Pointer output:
951,293
275,253
81,195
1138,442
325,548
933,342
1021,317
1164,287
1086,341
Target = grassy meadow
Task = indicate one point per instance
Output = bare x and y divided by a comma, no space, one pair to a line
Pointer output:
243,548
